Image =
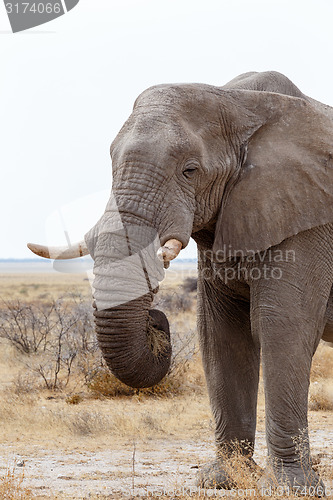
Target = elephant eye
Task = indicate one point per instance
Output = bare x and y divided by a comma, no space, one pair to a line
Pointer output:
189,171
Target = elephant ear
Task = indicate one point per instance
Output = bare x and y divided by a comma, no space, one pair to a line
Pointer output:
285,184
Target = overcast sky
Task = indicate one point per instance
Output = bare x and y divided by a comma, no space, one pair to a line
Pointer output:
67,87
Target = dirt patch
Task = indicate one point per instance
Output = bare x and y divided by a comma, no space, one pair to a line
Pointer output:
151,467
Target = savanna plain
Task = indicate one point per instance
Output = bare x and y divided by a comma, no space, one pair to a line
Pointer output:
70,430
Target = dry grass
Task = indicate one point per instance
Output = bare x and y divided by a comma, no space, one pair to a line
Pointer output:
322,364
321,389
105,414
104,384
11,486
245,485
37,419
42,286
321,397
28,410
185,378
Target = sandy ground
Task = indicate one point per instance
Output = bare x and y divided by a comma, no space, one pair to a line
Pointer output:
150,466
54,464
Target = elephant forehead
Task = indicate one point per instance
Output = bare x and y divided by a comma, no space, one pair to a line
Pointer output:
180,105
176,96
155,125
157,149
148,144
160,136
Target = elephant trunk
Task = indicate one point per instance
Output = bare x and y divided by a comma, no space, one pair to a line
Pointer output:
135,342
134,339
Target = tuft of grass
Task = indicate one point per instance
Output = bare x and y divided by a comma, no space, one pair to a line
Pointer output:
322,363
321,399
321,389
105,384
157,340
86,423
11,486
190,285
244,474
74,399
175,302
245,477
23,383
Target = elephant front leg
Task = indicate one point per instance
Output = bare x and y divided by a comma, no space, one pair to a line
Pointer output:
231,364
289,329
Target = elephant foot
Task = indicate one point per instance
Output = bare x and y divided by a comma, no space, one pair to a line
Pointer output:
224,474
291,480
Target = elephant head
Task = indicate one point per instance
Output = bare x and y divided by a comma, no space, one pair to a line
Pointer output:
244,168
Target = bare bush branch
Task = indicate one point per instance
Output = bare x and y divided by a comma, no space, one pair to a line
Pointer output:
55,335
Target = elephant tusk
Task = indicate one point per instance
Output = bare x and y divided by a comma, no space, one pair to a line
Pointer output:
169,251
77,250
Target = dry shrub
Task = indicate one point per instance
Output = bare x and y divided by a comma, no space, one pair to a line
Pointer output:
77,422
190,285
321,388
244,472
55,343
185,373
321,397
105,384
322,363
84,423
53,340
175,301
11,486
179,299
24,383
74,399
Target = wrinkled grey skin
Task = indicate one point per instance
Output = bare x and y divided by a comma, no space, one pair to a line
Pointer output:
242,169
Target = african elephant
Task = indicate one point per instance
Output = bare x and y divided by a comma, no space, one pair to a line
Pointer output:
247,171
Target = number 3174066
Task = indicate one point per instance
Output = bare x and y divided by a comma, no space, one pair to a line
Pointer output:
34,8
